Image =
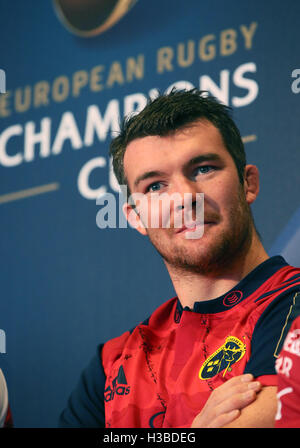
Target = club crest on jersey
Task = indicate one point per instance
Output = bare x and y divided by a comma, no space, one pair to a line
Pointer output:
222,359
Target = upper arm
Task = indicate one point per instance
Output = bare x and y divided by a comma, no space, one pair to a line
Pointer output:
269,334
260,413
85,408
266,342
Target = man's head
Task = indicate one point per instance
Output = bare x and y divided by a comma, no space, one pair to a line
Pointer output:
183,143
170,112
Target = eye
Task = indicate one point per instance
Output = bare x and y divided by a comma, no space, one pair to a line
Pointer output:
203,169
156,186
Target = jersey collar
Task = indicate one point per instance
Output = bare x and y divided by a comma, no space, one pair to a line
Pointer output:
247,286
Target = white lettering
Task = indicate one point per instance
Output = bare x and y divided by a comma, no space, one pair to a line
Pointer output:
284,365
296,84
67,130
179,85
2,81
280,394
106,216
292,342
245,83
113,183
83,179
32,138
133,104
101,125
5,159
222,92
2,341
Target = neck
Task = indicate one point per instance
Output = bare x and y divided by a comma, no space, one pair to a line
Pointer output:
194,287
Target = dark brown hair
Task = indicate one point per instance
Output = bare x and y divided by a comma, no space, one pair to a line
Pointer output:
173,111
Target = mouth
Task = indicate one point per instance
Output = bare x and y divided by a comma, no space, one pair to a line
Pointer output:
193,227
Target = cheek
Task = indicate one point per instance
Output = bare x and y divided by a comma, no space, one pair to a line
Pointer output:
225,198
222,194
157,212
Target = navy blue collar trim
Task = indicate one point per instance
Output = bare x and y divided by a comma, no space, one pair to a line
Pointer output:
239,292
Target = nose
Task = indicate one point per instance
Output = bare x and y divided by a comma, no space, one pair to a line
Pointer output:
183,184
187,192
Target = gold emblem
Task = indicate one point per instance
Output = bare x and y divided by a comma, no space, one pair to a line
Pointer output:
222,359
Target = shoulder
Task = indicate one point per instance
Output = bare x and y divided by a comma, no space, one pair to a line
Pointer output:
85,407
270,331
278,298
277,305
159,322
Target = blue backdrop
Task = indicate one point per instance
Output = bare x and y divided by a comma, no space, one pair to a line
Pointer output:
66,284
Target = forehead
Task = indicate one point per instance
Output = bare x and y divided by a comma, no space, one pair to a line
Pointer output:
165,153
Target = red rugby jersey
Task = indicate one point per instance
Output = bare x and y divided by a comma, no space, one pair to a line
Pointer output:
288,370
161,373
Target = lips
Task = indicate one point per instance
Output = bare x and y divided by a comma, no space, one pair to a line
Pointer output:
192,226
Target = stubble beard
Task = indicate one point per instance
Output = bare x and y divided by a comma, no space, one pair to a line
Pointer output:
229,245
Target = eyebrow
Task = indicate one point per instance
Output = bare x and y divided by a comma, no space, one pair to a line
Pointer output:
147,175
198,159
211,156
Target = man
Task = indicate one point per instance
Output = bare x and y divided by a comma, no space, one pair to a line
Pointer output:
206,357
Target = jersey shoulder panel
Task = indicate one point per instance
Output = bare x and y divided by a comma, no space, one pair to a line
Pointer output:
275,310
158,323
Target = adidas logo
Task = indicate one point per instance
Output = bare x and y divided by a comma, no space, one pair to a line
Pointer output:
119,386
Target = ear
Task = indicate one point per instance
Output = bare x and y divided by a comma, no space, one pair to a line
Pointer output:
251,183
133,218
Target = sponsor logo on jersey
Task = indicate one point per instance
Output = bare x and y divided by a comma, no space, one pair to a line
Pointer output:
222,359
119,386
